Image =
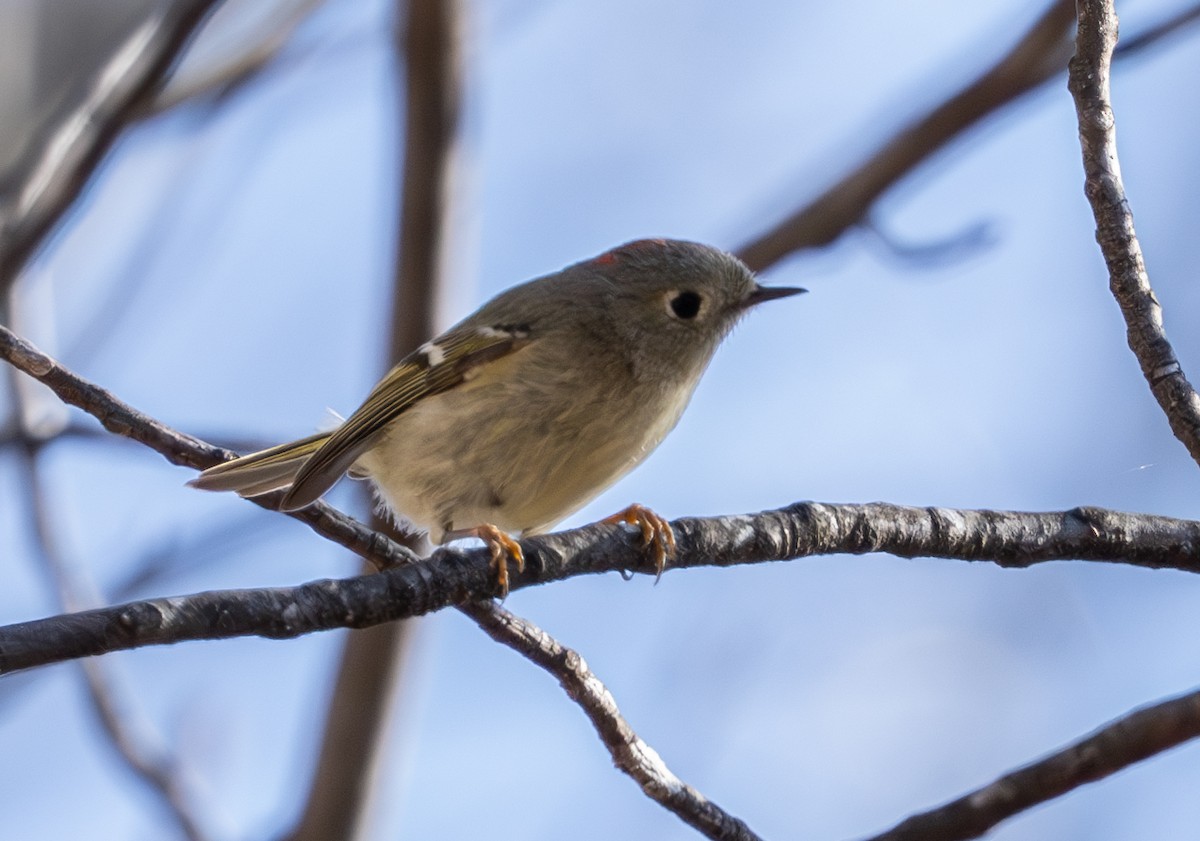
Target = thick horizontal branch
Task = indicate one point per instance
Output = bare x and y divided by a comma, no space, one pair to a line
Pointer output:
1132,738
451,576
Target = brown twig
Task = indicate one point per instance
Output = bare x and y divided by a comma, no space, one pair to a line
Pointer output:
1128,280
1132,738
629,753
70,156
425,37
130,736
121,419
1152,35
1040,54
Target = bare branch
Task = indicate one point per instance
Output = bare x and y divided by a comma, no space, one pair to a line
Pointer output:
130,79
1163,29
129,734
1006,538
1128,280
1040,54
122,419
629,753
425,36
221,81
1137,736
429,40
452,576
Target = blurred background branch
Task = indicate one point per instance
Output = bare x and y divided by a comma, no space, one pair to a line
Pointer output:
131,735
35,200
75,146
427,37
1040,55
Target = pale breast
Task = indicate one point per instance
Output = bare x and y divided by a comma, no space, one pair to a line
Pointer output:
519,452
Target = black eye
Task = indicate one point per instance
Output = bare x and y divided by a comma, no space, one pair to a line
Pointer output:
686,305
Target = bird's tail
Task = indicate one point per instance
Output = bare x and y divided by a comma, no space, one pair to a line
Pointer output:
261,472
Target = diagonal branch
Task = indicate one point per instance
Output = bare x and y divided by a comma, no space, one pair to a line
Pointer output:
119,418
1042,52
70,156
1040,55
1152,35
221,81
425,35
1128,280
130,736
1130,739
452,578
629,753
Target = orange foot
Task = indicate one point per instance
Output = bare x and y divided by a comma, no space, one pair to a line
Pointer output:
656,533
503,548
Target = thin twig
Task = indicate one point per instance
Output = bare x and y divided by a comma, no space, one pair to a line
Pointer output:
71,154
201,543
1130,739
121,419
1128,280
629,753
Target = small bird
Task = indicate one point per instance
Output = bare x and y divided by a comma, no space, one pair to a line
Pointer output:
521,413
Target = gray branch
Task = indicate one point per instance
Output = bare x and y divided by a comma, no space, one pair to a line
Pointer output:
452,576
1132,738
130,80
629,753
1128,280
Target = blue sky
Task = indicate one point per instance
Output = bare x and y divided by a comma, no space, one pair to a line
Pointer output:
824,698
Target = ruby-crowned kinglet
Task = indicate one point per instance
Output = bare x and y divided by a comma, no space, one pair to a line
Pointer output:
524,411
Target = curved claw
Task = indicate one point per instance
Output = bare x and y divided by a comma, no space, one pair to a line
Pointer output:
656,533
503,548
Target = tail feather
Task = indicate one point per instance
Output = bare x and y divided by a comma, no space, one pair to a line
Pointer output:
262,472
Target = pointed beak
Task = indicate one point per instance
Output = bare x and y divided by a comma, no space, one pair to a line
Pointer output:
771,293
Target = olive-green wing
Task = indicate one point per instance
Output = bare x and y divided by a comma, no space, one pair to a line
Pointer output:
261,472
435,367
